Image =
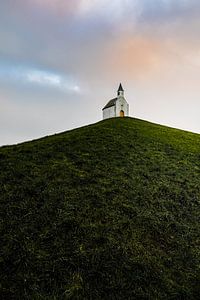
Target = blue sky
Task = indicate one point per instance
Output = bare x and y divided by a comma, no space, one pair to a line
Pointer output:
62,60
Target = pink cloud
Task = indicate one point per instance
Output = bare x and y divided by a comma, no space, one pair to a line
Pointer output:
53,7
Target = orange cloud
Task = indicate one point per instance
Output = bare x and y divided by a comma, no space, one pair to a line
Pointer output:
136,55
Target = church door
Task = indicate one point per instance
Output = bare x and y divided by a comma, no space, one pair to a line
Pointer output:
121,113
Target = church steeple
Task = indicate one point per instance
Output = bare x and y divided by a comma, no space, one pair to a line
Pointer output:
120,91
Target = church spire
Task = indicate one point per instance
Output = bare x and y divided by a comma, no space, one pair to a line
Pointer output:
120,91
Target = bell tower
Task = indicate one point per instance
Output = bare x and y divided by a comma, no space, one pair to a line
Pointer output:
120,92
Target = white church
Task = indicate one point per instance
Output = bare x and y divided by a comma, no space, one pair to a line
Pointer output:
117,107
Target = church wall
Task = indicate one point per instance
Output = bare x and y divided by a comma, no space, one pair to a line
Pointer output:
121,104
109,112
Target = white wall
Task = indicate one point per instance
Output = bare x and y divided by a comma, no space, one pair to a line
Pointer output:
109,112
121,104
114,111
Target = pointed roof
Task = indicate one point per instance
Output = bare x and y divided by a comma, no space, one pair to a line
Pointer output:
120,89
110,103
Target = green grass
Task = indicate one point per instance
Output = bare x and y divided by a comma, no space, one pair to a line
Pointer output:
106,211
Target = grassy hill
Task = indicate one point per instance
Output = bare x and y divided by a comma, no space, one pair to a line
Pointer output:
106,211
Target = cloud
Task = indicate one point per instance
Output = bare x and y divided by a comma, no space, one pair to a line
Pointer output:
130,36
37,78
52,80
59,7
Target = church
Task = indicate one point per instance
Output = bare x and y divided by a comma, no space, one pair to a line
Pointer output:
117,107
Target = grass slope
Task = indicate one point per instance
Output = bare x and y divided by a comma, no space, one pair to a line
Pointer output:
107,211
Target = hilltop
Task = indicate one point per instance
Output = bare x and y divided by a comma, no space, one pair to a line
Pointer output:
106,211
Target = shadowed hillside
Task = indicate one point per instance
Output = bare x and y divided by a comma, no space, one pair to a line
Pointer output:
107,211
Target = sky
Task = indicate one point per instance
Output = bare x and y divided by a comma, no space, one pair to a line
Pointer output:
61,61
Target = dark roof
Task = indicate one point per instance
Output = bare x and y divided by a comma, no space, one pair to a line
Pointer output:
120,89
110,103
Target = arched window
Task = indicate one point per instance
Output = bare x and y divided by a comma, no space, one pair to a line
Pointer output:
121,113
